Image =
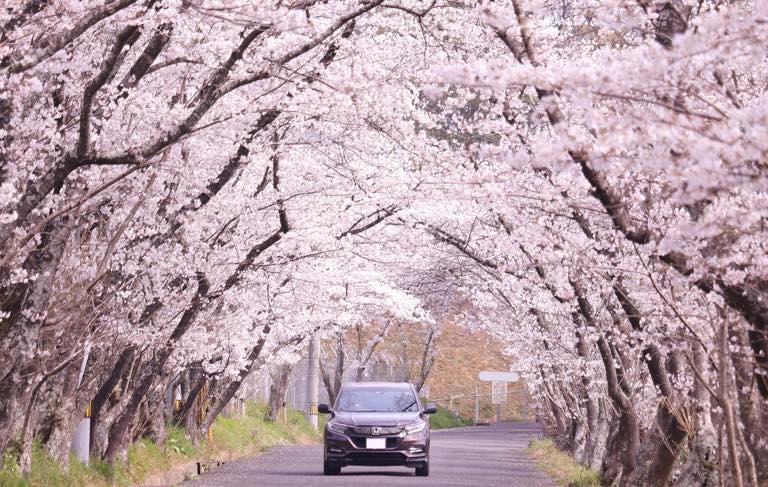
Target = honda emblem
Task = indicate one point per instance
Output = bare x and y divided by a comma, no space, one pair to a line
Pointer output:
375,431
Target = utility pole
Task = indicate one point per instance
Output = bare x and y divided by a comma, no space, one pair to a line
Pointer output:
313,379
477,404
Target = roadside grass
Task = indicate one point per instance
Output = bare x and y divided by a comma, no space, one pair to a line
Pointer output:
251,433
443,418
46,472
232,438
560,466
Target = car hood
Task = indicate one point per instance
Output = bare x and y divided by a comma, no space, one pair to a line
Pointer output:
375,419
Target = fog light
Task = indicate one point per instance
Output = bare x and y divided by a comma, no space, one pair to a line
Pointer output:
415,449
335,450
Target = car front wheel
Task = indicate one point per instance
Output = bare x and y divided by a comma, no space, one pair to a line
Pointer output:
331,469
423,471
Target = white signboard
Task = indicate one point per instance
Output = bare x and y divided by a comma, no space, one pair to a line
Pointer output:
498,392
491,376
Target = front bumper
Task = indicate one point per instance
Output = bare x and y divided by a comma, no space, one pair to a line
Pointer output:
343,450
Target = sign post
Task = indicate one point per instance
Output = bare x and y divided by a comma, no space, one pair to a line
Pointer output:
498,382
498,392
498,396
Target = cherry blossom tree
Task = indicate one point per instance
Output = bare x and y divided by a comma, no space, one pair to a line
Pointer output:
190,190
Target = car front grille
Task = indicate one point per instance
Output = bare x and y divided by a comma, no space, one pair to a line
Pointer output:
382,430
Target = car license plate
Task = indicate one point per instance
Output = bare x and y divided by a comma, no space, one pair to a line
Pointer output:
375,443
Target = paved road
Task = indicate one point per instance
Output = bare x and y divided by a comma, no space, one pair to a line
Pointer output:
485,456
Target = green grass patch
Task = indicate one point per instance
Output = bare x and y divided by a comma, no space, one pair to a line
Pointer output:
443,418
179,443
252,433
560,466
145,457
46,472
231,438
9,470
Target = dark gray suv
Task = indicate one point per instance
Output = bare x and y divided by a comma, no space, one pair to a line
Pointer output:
377,424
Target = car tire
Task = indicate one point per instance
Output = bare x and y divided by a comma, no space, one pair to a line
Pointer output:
423,471
331,469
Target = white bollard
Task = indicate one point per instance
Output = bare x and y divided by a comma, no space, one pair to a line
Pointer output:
81,440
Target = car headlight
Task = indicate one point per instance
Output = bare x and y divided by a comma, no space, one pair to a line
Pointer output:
337,428
415,427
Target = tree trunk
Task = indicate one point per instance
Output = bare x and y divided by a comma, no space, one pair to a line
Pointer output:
27,305
559,428
65,417
333,386
118,397
8,408
119,371
612,468
701,466
621,401
727,406
427,357
119,433
188,415
588,399
364,355
749,404
223,397
277,392
154,424
669,434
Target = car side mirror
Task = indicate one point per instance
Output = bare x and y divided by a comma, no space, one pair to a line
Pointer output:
323,409
430,408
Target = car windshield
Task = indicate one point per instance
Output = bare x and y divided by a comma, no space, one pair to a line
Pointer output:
377,400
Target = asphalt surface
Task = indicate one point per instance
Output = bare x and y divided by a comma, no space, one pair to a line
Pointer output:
485,456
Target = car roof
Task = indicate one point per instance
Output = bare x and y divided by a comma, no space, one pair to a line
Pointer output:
377,385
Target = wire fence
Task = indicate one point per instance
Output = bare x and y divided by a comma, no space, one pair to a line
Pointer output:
487,407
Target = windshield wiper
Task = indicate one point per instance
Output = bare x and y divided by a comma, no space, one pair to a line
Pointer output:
406,408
